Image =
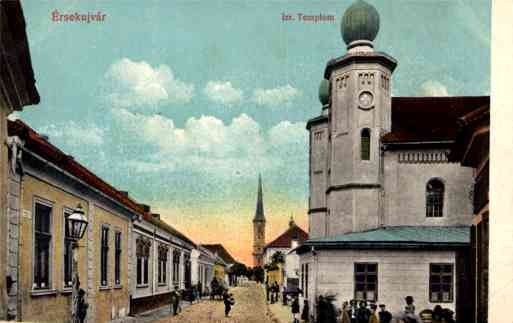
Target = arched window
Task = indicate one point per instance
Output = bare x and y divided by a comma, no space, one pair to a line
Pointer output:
434,198
365,144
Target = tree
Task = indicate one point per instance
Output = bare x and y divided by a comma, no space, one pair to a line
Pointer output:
239,269
259,274
278,257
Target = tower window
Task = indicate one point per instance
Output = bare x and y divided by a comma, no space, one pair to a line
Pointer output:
365,144
434,198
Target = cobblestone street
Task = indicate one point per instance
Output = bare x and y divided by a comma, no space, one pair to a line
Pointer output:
250,307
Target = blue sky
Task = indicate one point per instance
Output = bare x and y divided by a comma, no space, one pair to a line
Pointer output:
183,103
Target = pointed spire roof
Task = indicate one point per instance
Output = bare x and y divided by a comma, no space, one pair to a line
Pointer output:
259,213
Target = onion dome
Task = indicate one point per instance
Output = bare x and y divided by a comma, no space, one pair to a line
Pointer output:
324,92
360,23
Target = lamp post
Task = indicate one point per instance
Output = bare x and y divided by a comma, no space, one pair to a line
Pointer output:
76,225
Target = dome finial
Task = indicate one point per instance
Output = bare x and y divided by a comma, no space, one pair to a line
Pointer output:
324,92
360,24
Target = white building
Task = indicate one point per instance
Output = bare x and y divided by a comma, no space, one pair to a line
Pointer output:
389,216
286,243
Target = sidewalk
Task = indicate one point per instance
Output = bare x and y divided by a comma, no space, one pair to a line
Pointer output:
281,313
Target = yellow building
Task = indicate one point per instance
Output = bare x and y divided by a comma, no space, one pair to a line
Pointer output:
46,186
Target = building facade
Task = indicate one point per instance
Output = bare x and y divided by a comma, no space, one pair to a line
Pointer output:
472,149
45,187
17,90
162,261
385,201
259,228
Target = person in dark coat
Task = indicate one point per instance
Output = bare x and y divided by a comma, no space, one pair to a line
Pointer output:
305,314
353,310
267,289
82,306
295,309
228,302
175,301
384,315
363,313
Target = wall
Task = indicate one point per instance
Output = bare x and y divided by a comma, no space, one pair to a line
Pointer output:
3,207
400,273
405,191
112,301
54,305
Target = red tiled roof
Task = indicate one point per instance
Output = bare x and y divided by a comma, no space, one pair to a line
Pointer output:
41,147
221,252
427,119
285,239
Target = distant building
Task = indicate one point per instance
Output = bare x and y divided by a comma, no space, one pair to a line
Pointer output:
259,228
227,261
389,214
17,90
286,242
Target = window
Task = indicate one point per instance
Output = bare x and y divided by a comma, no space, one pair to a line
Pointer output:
434,198
365,144
68,253
366,281
42,245
176,267
441,278
142,253
162,269
306,281
117,259
187,270
104,255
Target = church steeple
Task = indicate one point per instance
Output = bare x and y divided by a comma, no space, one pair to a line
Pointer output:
259,228
259,212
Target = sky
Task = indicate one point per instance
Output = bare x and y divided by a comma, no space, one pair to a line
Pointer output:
184,103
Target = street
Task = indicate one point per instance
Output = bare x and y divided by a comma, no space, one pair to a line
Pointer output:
250,307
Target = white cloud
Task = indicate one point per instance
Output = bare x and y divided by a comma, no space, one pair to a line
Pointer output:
433,88
133,83
223,92
208,145
282,95
73,134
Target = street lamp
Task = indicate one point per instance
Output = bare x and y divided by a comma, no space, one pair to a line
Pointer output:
76,225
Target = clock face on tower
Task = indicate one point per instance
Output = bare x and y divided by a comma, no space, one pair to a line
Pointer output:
366,100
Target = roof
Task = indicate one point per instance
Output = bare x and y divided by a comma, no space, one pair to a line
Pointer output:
221,252
429,119
40,146
473,138
398,237
285,239
16,69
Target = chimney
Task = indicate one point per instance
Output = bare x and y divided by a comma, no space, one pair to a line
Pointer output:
156,216
145,207
124,193
45,136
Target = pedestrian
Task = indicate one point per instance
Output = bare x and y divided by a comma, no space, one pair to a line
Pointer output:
438,314
267,289
363,313
295,309
353,311
374,315
175,301
284,295
228,302
384,315
82,306
214,286
345,316
276,290
409,311
305,314
200,290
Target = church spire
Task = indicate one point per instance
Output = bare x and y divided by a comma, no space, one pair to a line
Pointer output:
259,213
